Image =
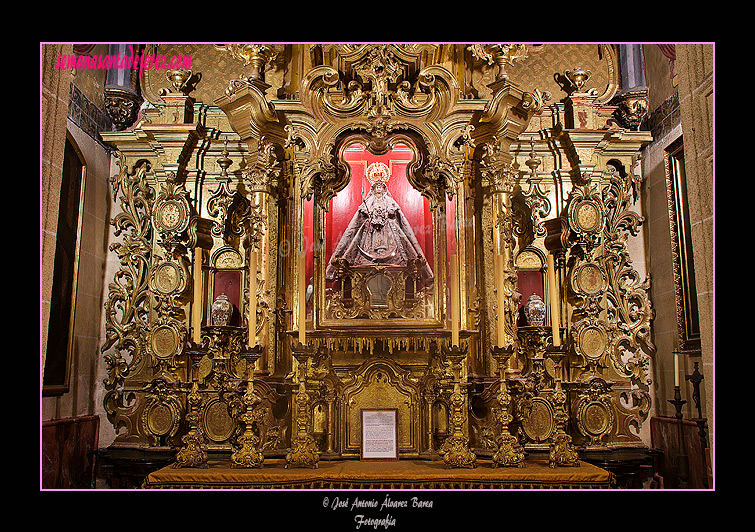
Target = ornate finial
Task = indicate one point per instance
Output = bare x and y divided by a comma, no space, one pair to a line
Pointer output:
533,162
255,55
224,161
179,79
500,55
573,81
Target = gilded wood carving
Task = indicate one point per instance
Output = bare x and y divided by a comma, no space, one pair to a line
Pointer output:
233,170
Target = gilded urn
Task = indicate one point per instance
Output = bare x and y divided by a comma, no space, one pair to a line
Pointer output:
221,310
534,310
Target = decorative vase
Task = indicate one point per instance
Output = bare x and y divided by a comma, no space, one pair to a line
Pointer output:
534,310
221,310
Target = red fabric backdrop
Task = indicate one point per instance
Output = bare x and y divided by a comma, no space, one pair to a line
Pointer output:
528,283
228,282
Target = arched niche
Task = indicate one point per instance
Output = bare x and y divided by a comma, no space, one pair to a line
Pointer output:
381,221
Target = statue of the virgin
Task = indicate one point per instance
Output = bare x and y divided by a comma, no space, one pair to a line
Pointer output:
379,233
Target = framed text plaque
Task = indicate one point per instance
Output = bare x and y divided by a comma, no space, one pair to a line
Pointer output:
379,434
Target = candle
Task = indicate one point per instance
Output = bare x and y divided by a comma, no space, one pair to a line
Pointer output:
500,295
302,299
676,368
253,298
197,311
454,299
554,300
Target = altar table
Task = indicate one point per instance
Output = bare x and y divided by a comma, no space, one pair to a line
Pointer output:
396,474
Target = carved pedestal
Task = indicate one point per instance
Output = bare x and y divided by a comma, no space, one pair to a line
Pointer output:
455,450
303,451
562,452
194,453
249,454
509,451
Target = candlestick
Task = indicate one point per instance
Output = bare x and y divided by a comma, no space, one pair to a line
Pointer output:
253,298
554,301
302,300
696,378
454,300
197,311
676,369
682,460
500,296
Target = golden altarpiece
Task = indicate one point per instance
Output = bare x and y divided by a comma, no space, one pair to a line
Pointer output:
437,230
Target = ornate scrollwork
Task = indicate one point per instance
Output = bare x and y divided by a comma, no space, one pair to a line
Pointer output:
379,292
532,206
228,207
535,101
377,88
127,305
441,177
612,313
162,413
594,411
629,310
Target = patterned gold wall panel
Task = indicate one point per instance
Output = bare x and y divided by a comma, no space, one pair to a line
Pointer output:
537,70
214,66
